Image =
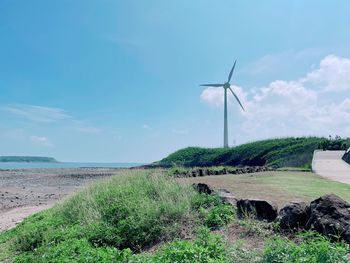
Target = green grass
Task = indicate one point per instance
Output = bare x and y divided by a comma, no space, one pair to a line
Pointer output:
280,187
283,152
136,211
312,249
147,216
207,247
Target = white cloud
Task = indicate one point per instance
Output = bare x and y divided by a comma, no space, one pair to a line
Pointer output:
146,127
48,115
38,113
41,140
215,96
313,105
332,75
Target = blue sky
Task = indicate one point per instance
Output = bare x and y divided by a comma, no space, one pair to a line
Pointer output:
117,81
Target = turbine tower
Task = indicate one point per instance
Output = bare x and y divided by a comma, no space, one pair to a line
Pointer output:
226,86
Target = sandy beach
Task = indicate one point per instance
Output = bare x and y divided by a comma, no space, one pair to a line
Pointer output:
23,192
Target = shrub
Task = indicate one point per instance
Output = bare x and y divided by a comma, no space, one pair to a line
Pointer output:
219,216
212,211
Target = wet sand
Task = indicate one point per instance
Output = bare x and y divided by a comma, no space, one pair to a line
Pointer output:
23,192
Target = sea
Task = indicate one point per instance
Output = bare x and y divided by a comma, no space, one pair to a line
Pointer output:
35,165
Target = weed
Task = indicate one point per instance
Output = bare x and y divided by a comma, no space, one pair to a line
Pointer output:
312,248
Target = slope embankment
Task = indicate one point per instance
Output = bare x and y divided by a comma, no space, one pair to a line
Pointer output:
275,153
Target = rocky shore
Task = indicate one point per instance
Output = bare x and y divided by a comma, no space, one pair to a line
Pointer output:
25,191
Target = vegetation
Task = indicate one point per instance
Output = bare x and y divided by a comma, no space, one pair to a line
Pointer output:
207,247
312,248
284,152
134,211
149,217
280,187
27,159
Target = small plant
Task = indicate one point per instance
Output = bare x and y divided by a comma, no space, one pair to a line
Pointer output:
212,211
219,216
207,247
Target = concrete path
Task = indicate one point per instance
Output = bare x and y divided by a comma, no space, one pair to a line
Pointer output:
330,165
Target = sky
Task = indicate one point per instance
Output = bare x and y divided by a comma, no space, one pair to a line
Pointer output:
118,81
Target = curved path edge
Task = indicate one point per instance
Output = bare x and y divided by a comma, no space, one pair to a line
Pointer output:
329,164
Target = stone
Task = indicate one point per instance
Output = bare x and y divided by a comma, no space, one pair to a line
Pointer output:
293,216
260,209
227,197
330,215
203,188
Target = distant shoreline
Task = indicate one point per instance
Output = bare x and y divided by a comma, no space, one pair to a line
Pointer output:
27,159
64,165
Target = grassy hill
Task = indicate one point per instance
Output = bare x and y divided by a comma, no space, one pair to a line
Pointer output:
283,152
27,159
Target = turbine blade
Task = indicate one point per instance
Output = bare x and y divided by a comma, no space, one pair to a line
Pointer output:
212,85
237,99
231,72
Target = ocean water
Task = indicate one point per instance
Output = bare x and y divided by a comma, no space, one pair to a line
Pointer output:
66,165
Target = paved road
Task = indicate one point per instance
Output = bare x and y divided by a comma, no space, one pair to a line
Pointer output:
330,165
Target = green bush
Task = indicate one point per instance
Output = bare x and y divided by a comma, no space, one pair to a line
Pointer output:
212,211
205,248
219,216
313,249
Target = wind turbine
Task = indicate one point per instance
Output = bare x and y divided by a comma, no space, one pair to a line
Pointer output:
226,86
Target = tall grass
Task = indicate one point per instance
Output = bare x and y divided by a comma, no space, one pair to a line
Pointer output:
135,210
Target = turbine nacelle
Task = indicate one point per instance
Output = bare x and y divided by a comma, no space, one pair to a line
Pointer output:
226,85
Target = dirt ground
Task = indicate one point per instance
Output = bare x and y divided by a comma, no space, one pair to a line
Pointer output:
23,192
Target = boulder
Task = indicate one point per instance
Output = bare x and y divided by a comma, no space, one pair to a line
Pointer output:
227,197
260,209
203,188
330,215
293,216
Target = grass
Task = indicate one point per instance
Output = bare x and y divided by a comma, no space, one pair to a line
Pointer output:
283,152
136,211
280,187
147,216
312,248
